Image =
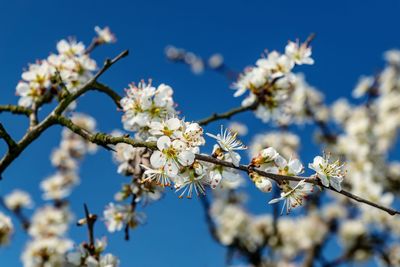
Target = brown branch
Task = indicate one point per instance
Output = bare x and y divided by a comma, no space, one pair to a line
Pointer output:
279,178
90,221
226,115
108,91
133,207
7,138
109,62
15,109
102,139
105,139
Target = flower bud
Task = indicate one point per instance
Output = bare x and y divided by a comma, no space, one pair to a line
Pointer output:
264,184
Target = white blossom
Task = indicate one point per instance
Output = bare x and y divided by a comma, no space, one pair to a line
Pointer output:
229,143
18,199
328,173
105,35
293,196
300,54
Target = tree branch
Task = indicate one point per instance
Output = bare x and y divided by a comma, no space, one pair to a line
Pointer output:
7,138
108,91
90,221
105,139
226,115
34,132
15,109
102,139
133,207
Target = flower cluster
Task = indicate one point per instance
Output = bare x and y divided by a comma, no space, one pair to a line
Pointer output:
174,161
143,104
67,69
48,245
70,67
280,95
293,194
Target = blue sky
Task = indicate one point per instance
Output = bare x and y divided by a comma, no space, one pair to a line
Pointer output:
351,37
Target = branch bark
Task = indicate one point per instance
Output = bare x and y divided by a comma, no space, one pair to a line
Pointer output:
7,138
105,139
226,115
19,110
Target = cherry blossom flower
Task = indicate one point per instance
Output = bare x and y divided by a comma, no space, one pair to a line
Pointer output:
293,196
300,54
105,35
292,167
171,155
157,175
171,128
192,180
48,251
229,143
28,94
116,216
145,103
70,48
328,173
18,199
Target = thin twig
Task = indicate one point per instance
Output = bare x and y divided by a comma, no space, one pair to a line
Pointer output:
226,115
90,221
93,45
109,62
133,207
108,91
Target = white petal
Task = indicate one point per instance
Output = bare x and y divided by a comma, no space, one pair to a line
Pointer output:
163,142
171,168
186,158
324,179
295,166
335,183
275,200
173,124
22,89
157,159
280,161
235,158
